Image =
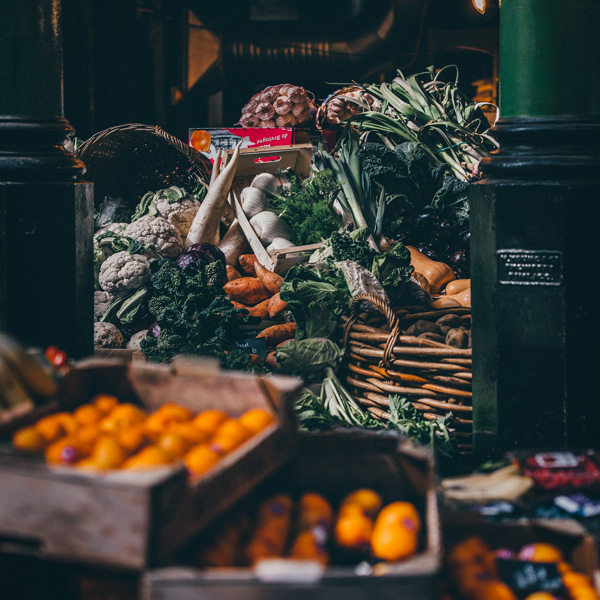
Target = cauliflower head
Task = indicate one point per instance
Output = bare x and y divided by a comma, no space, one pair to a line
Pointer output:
122,272
114,227
102,300
157,232
107,335
180,214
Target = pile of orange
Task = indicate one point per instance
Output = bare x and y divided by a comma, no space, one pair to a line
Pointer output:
108,434
473,572
310,528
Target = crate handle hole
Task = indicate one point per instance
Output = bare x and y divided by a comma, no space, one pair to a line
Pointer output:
267,159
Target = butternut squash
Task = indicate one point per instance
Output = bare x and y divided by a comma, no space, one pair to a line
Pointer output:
437,273
457,285
445,302
463,298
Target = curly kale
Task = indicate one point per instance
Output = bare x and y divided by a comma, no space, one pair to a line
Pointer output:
452,198
392,269
345,246
192,314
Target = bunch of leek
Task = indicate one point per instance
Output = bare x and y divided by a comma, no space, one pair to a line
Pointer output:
435,113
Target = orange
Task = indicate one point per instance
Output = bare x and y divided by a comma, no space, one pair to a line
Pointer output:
132,438
493,590
277,506
29,440
573,580
469,576
393,541
55,426
200,459
353,530
314,509
200,140
148,458
256,419
540,552
368,499
174,445
127,413
107,453
396,531
65,451
309,545
170,411
403,513
209,420
232,428
541,596
472,549
105,402
87,414
223,445
189,432
87,434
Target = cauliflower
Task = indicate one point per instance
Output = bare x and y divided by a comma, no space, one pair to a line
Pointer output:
123,271
107,335
157,232
102,300
179,214
135,339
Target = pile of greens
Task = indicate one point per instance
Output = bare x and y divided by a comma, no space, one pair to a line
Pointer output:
307,206
192,314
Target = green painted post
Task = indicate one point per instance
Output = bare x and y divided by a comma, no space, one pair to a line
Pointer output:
534,222
549,58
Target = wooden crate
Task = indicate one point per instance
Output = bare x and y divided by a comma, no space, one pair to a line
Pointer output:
132,519
253,161
332,463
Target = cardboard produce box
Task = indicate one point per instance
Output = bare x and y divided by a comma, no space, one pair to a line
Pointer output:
331,464
134,519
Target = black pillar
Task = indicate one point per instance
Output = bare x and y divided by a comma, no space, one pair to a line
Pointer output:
46,211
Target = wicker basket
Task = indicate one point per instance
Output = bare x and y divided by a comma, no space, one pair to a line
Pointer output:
384,359
129,160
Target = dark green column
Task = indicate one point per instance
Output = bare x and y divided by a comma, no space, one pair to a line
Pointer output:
535,235
46,210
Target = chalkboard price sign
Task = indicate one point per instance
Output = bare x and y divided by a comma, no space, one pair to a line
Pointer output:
525,577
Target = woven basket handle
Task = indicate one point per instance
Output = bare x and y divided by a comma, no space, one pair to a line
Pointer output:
387,311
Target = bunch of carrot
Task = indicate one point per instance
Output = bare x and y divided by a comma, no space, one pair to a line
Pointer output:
257,291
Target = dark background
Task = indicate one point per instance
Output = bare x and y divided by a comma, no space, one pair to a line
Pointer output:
127,61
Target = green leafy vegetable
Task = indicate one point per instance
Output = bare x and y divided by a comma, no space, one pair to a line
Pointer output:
393,269
431,434
317,298
308,358
192,314
307,206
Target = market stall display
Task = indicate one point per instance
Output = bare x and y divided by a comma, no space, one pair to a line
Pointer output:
157,500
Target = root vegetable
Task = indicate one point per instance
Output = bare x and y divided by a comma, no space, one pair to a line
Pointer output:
233,244
260,310
277,306
457,338
205,225
270,280
272,361
450,320
247,290
247,263
232,273
423,326
277,333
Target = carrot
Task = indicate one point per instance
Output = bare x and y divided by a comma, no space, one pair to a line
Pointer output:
247,263
260,310
255,359
277,306
248,290
232,273
205,225
277,333
270,280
